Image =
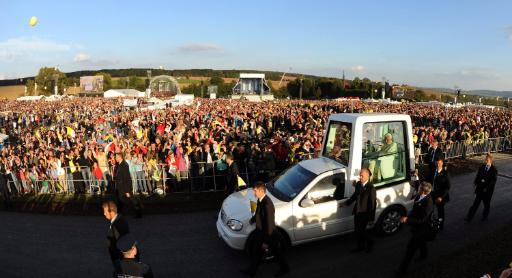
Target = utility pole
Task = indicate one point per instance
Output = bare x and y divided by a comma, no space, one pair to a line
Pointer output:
343,84
300,90
202,88
56,87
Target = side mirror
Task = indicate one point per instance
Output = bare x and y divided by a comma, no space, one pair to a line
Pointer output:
307,202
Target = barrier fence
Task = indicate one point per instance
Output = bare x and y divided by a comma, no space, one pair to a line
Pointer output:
207,177
463,149
158,178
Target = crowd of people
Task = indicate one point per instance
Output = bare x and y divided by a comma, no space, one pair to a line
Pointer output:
70,145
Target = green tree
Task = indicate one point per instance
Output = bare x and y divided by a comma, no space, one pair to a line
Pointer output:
318,93
121,83
107,80
30,87
46,78
420,95
216,80
357,83
366,84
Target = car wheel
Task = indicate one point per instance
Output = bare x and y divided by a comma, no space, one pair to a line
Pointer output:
390,221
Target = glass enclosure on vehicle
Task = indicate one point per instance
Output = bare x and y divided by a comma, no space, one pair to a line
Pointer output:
290,183
384,151
337,145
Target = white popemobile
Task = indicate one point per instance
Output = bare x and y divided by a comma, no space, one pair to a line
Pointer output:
306,195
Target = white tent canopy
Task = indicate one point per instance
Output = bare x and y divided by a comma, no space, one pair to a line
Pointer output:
30,98
154,100
123,93
54,98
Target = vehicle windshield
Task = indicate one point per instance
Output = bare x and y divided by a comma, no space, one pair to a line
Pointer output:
337,145
291,183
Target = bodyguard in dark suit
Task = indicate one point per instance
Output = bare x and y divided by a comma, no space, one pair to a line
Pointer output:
418,219
266,236
484,187
434,153
123,185
441,188
232,177
4,187
129,265
118,227
365,199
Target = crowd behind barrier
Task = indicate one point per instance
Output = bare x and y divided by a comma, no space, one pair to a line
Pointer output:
68,146
463,149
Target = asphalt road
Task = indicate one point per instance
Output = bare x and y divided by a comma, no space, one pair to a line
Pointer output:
187,245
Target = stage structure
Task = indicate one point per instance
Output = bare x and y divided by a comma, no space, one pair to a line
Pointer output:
253,87
164,86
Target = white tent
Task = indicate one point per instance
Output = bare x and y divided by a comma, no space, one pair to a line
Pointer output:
3,137
123,93
54,98
30,98
154,100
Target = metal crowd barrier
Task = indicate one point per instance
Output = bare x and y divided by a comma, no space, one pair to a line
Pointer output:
463,149
198,177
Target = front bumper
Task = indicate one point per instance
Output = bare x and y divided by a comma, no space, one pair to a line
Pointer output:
235,240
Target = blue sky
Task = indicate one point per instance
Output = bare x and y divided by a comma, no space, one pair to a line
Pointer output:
425,43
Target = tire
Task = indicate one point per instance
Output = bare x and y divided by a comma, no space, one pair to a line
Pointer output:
389,221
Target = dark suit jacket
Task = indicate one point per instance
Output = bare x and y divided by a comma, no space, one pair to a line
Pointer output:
133,268
3,177
420,215
485,180
232,177
432,156
365,198
122,178
116,230
441,185
265,218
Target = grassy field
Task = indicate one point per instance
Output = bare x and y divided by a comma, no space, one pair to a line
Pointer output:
188,81
12,92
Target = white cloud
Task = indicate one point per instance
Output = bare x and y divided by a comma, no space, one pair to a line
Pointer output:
200,48
358,68
81,57
13,48
484,74
508,32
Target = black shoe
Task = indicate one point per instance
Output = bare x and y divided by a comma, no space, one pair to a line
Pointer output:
484,219
420,259
399,273
357,250
248,272
369,247
467,220
282,272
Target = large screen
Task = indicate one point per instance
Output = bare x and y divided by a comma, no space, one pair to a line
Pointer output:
91,83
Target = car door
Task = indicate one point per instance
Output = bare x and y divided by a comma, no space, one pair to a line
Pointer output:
322,217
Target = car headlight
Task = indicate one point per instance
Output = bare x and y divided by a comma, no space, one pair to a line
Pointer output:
234,225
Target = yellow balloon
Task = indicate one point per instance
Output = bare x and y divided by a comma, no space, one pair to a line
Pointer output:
33,21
